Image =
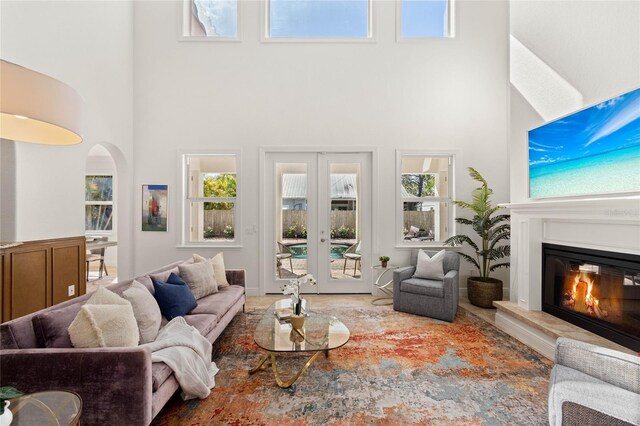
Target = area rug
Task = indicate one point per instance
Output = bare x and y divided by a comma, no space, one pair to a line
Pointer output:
397,369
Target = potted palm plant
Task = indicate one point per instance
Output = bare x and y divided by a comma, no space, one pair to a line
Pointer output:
494,232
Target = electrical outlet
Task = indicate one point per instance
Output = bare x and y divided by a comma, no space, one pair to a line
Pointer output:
71,290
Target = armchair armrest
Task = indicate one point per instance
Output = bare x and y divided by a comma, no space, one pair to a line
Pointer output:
613,367
236,276
400,275
114,383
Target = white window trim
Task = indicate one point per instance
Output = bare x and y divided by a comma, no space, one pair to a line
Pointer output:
185,23
103,203
399,237
265,38
451,23
183,239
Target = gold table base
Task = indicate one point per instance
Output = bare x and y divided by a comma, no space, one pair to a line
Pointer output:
271,356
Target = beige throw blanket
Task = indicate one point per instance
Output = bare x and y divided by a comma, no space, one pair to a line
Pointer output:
188,354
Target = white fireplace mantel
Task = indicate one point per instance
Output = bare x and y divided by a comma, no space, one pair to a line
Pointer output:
609,224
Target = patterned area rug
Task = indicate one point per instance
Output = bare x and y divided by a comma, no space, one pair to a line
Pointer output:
397,369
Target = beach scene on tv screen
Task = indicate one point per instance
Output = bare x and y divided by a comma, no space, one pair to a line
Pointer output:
594,151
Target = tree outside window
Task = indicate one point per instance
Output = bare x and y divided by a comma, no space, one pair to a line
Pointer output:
98,203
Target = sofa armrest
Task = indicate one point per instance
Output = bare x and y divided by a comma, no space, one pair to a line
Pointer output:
114,383
236,276
616,368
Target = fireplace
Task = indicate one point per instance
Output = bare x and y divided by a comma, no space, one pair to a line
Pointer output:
596,290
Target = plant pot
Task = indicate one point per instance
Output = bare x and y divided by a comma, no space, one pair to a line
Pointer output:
384,264
483,292
7,417
297,322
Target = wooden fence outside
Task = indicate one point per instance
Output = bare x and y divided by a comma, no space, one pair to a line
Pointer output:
217,220
421,220
339,218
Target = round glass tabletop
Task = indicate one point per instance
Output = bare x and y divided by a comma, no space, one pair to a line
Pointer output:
319,333
47,408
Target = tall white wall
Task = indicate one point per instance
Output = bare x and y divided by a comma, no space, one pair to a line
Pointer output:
593,45
87,45
447,94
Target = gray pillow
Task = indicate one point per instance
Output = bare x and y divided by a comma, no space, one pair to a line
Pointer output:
164,275
51,327
199,277
146,311
430,268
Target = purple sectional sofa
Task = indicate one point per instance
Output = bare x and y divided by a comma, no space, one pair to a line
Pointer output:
118,386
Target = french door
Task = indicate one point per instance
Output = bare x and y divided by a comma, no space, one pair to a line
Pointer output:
318,220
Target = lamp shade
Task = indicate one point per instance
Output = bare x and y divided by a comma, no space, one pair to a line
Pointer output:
37,108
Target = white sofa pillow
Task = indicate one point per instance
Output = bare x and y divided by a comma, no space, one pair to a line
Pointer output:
145,310
430,268
199,277
106,320
219,270
100,326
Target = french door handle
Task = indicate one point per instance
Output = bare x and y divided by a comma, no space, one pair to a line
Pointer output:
322,240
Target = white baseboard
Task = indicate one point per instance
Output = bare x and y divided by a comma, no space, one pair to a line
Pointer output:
526,334
252,291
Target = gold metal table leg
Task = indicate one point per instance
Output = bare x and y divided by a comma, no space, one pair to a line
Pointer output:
260,365
288,383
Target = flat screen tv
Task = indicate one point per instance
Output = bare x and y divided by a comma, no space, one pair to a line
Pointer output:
593,151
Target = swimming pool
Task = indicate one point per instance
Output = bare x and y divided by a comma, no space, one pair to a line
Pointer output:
300,251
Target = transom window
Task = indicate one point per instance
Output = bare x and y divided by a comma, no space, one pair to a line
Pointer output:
318,19
98,203
211,210
424,198
425,18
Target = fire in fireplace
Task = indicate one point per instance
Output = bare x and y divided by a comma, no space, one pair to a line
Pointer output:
596,290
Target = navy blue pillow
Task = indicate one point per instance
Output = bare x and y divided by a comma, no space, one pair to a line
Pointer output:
175,279
174,297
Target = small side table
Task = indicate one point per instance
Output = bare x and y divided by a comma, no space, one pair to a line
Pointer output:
47,408
386,288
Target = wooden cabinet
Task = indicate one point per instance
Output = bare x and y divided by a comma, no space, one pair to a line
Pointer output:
39,274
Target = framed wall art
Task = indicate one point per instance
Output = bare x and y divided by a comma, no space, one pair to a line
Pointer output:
154,207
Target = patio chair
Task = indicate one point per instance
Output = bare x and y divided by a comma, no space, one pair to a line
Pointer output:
97,255
352,253
284,252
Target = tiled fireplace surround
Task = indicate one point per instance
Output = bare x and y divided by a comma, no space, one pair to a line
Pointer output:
610,224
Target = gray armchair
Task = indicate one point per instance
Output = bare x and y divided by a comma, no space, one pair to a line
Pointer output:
591,385
432,298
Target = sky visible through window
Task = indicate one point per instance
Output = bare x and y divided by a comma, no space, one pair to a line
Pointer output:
424,18
219,18
319,18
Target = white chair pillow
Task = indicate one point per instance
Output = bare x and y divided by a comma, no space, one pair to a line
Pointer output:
430,268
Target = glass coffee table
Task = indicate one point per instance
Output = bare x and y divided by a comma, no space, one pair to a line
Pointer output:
60,408
320,334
